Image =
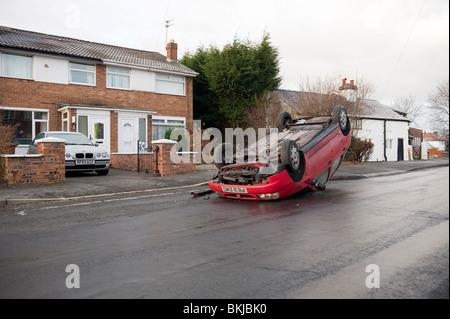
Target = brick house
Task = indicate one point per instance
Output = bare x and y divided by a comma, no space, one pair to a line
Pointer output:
114,95
415,140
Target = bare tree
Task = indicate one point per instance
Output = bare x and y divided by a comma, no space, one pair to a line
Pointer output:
264,112
321,96
407,104
439,105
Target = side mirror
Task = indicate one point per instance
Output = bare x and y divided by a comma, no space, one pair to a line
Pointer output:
96,144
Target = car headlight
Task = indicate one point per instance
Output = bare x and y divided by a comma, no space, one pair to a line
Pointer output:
104,155
98,154
268,196
68,155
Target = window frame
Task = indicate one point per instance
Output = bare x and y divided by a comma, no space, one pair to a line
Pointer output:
165,121
33,120
170,79
2,55
94,72
108,73
357,124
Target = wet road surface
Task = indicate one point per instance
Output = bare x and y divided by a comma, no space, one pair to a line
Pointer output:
170,245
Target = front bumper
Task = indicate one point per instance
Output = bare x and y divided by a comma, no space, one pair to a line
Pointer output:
98,165
280,183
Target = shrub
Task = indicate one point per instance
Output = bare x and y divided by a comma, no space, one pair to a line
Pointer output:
6,136
359,150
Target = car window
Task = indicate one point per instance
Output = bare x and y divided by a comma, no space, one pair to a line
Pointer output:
72,139
323,178
336,165
38,137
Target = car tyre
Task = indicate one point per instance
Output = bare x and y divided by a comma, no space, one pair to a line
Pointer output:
283,119
340,116
224,155
290,156
103,172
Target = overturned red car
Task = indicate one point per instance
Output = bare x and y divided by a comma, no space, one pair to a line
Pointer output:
309,153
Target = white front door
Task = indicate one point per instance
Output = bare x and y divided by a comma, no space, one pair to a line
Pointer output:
126,135
97,126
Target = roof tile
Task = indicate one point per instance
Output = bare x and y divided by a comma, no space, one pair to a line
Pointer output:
46,43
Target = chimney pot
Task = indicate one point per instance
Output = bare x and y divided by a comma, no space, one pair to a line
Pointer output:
352,82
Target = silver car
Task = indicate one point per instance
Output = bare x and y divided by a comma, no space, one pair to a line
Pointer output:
81,154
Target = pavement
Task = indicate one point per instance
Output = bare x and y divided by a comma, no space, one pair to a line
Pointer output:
90,185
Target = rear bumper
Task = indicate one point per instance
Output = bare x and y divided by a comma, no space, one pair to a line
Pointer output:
280,183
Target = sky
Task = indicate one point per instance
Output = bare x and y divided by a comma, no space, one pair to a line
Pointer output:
401,47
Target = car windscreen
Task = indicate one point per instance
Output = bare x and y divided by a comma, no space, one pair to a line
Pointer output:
72,139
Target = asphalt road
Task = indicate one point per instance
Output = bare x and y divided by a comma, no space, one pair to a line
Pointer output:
170,245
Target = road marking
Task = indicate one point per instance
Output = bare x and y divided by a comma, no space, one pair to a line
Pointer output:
72,205
139,191
138,197
108,200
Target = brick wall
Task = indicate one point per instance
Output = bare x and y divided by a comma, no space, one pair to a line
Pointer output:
33,94
434,153
46,167
124,161
163,164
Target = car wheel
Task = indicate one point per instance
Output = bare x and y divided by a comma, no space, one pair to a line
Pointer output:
283,119
290,156
103,172
224,155
340,116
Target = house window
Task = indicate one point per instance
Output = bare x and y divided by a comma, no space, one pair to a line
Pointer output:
162,126
16,66
40,120
170,84
117,78
357,124
389,144
65,121
83,124
142,130
25,124
82,74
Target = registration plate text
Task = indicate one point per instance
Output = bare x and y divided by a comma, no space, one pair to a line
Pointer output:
234,189
84,162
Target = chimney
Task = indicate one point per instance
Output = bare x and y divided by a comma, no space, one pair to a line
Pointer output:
172,49
348,86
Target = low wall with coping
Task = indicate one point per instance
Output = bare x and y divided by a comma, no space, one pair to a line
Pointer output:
46,167
163,164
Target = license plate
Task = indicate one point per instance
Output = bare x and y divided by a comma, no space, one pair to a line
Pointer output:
84,162
234,189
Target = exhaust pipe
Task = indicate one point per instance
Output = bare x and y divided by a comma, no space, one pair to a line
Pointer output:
317,185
